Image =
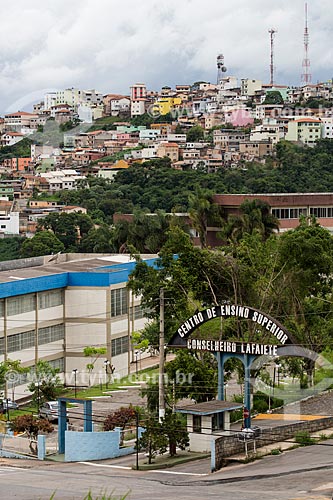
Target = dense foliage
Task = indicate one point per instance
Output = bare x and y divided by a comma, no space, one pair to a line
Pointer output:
155,185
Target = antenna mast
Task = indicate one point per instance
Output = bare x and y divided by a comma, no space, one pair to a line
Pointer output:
272,32
306,75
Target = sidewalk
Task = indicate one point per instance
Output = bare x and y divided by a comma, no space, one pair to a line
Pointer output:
149,362
279,445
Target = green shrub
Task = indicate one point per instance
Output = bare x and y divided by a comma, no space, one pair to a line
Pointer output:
276,451
303,438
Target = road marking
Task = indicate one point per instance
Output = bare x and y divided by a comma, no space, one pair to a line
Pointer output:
177,473
5,469
154,471
106,465
327,486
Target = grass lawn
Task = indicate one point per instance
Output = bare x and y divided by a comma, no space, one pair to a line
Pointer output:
100,389
94,391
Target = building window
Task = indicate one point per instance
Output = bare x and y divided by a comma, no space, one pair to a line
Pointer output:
52,298
119,303
217,422
58,364
51,334
119,346
21,341
20,304
288,213
139,312
318,211
197,423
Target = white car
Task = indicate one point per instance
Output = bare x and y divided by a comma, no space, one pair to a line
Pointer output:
49,410
8,403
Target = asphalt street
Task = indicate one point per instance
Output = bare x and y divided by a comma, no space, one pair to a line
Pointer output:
304,473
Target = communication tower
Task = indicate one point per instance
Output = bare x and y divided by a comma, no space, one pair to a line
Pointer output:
306,75
220,67
272,32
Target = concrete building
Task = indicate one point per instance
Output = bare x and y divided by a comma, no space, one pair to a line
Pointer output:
256,149
18,164
17,122
52,307
169,149
116,104
305,130
249,86
138,99
10,138
287,207
229,139
327,127
62,180
165,105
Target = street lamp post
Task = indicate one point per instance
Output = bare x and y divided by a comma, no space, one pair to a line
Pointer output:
278,373
37,385
75,372
7,408
136,362
106,364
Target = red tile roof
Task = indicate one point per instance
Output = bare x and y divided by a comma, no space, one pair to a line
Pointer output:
311,120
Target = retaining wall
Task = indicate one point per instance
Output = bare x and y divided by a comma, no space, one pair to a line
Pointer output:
226,446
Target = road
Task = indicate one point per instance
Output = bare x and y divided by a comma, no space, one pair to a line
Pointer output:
304,473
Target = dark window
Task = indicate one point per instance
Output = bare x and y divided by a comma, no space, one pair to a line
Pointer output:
197,423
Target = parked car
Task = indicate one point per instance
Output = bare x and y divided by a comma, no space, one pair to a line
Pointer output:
9,404
49,410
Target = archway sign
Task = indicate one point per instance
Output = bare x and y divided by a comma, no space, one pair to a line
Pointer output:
247,352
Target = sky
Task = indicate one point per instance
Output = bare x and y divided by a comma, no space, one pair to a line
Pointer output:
110,44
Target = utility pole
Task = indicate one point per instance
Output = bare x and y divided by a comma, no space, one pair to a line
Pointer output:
161,399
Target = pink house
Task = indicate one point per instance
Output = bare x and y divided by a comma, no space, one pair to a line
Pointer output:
239,117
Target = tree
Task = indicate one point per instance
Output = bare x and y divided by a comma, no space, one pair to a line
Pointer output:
120,418
10,371
195,134
98,240
94,353
198,372
202,210
273,97
10,248
68,228
153,439
174,427
158,437
32,426
46,384
255,216
43,243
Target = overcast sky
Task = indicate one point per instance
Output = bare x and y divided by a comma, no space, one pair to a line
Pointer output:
109,44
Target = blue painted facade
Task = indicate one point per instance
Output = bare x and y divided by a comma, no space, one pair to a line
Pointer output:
99,277
82,446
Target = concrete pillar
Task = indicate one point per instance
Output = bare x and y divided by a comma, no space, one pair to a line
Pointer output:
41,447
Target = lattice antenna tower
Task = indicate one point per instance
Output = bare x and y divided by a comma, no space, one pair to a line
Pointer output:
306,75
272,32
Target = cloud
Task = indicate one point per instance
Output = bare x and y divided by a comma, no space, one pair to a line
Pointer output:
108,45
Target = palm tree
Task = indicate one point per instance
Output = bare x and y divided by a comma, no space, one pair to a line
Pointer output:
255,216
203,211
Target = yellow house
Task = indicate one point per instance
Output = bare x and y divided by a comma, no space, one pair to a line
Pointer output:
109,171
165,104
